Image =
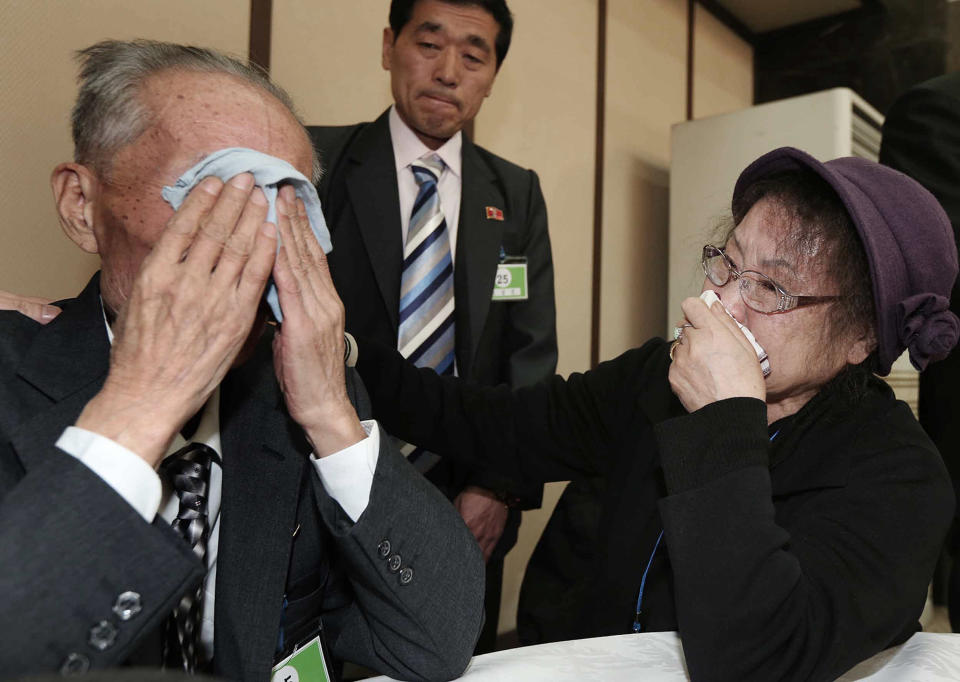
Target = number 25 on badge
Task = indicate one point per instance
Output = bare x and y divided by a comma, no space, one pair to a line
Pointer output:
510,282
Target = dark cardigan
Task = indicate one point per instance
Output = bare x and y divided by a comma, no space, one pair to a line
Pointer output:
785,559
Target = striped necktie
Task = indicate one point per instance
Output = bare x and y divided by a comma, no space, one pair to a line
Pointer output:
188,471
426,335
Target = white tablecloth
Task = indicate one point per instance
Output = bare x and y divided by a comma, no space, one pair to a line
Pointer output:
658,657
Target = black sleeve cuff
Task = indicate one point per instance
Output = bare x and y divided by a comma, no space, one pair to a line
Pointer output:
713,441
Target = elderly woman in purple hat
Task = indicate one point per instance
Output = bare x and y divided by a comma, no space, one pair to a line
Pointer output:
786,525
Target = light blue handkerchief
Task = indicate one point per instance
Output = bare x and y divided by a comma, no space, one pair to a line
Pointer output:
268,172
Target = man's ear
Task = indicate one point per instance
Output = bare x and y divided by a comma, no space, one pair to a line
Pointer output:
387,53
75,191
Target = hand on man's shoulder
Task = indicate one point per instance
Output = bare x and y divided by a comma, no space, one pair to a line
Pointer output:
34,307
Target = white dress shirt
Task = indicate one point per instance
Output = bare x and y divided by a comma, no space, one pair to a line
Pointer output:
407,148
347,476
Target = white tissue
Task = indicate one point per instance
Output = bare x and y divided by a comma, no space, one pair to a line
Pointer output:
708,297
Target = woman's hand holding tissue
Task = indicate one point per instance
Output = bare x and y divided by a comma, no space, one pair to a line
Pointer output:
712,359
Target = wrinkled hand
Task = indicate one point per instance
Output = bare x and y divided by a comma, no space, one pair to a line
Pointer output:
713,360
308,349
484,515
34,307
192,307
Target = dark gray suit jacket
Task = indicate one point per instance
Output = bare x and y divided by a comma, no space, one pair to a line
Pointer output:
69,545
496,342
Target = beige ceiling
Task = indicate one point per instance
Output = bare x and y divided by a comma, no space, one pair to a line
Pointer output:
766,15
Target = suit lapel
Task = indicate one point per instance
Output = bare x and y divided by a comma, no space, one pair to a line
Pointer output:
478,248
371,180
264,461
67,362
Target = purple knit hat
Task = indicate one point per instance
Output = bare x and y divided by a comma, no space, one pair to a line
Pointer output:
909,244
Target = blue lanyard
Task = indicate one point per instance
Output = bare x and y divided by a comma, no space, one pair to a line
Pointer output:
637,627
643,582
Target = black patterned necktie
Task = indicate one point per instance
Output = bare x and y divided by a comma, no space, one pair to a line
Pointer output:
188,472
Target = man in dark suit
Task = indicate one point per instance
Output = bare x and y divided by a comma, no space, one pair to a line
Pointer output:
287,507
443,57
921,137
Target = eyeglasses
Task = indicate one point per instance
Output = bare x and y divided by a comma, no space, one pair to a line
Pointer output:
757,290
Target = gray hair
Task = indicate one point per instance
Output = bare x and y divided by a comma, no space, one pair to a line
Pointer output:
109,112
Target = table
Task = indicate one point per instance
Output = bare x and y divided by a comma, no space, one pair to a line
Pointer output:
658,657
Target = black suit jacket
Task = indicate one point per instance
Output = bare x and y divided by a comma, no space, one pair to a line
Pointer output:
69,545
496,342
921,137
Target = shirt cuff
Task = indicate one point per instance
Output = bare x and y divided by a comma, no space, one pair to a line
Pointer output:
347,475
128,474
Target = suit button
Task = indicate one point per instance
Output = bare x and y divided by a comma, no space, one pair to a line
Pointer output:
75,664
406,576
383,549
127,605
103,635
393,563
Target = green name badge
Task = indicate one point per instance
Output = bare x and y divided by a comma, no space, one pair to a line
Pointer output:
306,664
510,283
